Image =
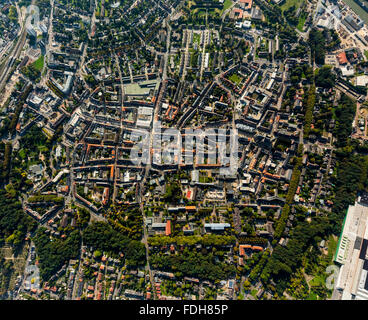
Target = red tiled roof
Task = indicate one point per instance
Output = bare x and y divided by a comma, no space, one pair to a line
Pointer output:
342,58
189,193
243,247
248,2
190,208
168,228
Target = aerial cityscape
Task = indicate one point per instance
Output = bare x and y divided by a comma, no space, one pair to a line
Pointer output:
183,150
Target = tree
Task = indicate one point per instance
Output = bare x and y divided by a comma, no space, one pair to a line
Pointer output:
97,254
325,78
246,285
14,222
54,254
173,192
317,44
101,236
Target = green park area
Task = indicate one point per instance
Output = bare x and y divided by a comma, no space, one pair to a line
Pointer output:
301,22
227,4
39,63
289,3
235,78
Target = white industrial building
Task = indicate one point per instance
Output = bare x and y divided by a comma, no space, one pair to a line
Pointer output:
351,254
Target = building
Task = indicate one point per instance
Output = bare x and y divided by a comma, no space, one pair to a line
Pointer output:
168,228
236,14
246,4
351,254
141,89
362,80
256,14
341,57
216,227
35,101
35,171
145,116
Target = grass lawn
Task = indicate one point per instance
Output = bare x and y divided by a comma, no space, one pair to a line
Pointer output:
196,38
316,281
235,78
38,64
254,293
332,245
312,296
198,12
301,22
227,4
289,3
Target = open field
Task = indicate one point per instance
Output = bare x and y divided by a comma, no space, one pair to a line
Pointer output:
38,64
289,3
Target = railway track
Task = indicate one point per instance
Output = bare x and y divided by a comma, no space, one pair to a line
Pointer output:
13,56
